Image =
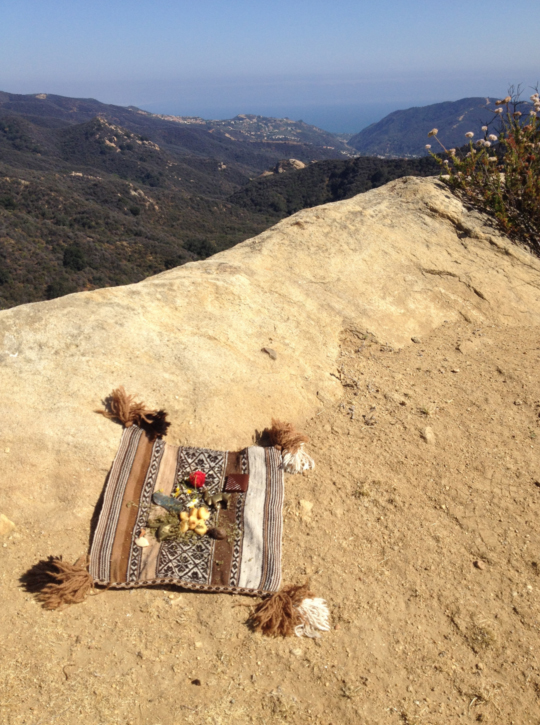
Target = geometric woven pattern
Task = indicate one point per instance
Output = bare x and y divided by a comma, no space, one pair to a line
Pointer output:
189,562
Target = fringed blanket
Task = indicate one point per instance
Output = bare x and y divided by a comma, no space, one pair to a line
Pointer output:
245,558
201,519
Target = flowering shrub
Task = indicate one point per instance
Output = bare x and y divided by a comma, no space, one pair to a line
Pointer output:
500,173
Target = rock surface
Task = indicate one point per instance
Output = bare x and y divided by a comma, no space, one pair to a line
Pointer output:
283,166
6,526
288,165
397,261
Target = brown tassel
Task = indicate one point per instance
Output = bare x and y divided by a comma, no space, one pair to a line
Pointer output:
155,424
278,615
124,407
283,435
57,583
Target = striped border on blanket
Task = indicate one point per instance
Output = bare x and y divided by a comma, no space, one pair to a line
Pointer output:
102,545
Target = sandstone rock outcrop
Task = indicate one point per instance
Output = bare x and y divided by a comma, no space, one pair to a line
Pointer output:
285,165
288,165
397,261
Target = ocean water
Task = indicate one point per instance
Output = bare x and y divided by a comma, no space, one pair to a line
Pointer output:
344,119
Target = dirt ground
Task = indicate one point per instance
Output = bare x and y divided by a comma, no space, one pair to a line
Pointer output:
420,528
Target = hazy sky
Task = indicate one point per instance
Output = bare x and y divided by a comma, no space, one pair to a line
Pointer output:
341,62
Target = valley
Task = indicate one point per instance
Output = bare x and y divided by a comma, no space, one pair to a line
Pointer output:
94,195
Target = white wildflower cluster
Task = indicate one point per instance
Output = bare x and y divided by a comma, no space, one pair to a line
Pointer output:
478,148
492,173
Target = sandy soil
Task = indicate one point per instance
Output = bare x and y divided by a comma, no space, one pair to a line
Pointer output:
423,536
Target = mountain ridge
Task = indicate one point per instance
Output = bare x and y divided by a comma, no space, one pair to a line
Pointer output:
92,203
266,137
404,133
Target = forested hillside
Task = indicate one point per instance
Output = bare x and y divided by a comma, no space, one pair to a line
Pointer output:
93,205
90,201
326,181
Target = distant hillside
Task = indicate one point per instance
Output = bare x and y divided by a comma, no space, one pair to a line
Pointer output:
93,195
253,129
251,142
93,205
404,133
325,181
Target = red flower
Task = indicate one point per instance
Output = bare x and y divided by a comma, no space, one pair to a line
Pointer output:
197,479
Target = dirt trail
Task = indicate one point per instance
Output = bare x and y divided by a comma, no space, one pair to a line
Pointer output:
423,537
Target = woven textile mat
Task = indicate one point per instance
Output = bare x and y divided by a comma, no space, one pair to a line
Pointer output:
248,561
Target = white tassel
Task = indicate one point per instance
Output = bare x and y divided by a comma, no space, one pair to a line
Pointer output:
297,462
316,618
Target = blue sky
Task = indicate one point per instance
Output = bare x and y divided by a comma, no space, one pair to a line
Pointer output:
340,62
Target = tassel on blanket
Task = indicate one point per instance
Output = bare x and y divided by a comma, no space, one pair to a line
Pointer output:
297,462
315,618
57,583
128,411
291,611
279,615
291,442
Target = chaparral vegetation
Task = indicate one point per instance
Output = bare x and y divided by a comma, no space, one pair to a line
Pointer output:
500,173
